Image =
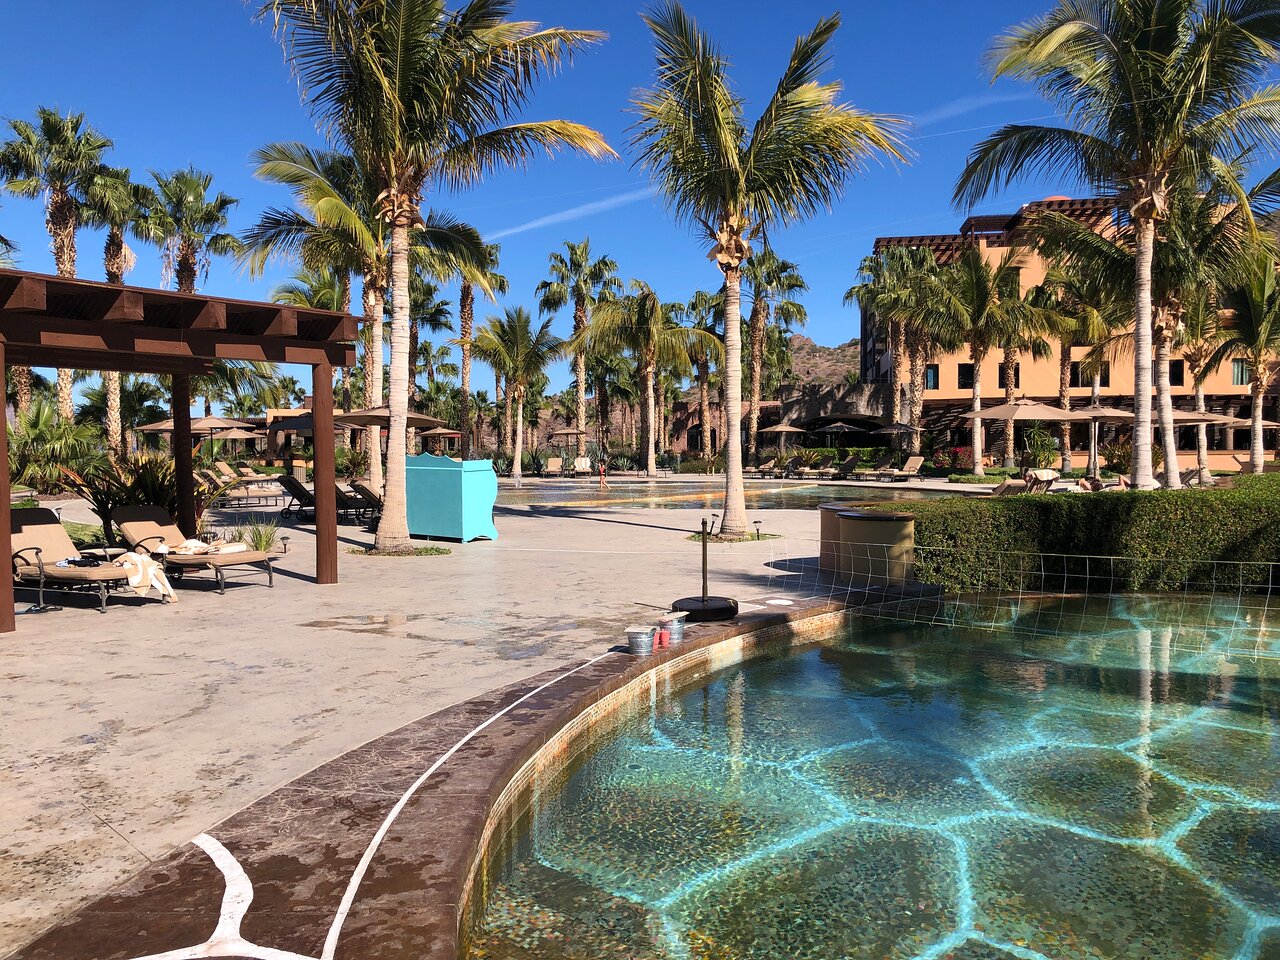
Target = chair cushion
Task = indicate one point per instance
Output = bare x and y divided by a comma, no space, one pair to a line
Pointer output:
217,559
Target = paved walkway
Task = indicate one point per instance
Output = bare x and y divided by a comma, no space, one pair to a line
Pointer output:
128,733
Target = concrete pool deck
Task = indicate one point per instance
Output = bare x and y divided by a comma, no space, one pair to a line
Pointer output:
131,732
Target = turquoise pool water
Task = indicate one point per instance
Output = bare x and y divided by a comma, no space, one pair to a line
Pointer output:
924,792
676,495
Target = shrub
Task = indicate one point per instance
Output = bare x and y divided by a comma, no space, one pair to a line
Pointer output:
41,444
1119,455
958,459
350,463
698,465
1165,539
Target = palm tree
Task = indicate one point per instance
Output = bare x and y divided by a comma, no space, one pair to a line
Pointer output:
734,182
1024,333
57,157
114,203
319,289
1250,331
642,324
427,311
511,344
418,93
978,302
488,279
1197,336
583,282
775,284
899,289
704,311
188,224
141,401
1155,90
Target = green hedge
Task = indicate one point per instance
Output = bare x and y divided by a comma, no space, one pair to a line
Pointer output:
1166,539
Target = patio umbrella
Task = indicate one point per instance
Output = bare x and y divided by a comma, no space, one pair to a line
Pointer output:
782,429
565,432
440,432
236,433
381,417
895,428
160,426
1023,410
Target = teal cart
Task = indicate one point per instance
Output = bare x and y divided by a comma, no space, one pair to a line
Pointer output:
451,499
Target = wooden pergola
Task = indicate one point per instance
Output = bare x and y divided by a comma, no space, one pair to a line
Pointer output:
48,321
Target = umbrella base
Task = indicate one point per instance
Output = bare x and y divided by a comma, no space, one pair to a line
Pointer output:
706,609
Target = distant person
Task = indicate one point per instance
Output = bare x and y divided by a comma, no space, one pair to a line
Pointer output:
604,484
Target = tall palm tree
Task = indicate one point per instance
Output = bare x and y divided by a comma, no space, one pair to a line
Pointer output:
112,201
642,324
1250,331
188,224
1153,90
510,343
733,181
57,157
775,285
1197,336
1025,333
978,303
899,288
579,280
704,311
318,289
485,276
419,94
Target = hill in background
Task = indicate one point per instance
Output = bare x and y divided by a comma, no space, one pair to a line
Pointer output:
813,363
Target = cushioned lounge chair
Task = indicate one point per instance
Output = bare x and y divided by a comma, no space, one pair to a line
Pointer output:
819,468
150,527
1009,487
40,542
909,470
764,468
554,467
886,463
581,466
841,471
351,507
372,502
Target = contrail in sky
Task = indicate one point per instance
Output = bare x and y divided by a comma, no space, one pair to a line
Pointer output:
962,105
575,213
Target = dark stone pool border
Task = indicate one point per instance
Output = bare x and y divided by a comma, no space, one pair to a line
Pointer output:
276,874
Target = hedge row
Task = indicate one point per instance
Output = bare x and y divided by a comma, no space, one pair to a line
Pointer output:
1160,539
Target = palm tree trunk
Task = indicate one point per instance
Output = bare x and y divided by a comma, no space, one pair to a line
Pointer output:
650,419
759,318
61,220
1202,435
1095,398
734,518
1257,454
466,316
507,415
915,409
898,333
114,266
411,435
393,527
976,435
516,472
344,437
1064,399
1142,478
22,388
704,407
580,374
1010,364
372,303
1164,397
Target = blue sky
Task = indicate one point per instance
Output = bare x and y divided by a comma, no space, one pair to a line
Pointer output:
200,82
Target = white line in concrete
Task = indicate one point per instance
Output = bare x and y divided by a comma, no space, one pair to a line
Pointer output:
348,898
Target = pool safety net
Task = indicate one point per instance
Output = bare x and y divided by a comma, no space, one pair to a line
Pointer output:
1207,605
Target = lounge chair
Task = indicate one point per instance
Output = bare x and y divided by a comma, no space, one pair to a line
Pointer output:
886,463
766,467
243,474
301,500
581,466
820,467
40,542
554,467
843,470
1009,487
909,470
151,527
372,502
1041,481
350,506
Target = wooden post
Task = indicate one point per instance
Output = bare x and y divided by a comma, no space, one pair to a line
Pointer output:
6,520
181,444
325,478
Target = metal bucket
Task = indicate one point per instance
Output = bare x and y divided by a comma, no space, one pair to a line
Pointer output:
640,640
673,623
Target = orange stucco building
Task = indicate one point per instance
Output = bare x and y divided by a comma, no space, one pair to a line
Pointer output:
949,376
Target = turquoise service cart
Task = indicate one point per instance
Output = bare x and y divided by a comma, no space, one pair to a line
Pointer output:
452,499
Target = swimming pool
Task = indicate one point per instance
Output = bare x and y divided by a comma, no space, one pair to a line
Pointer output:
921,792
677,495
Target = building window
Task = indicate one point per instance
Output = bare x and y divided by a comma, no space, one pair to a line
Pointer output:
931,376
964,376
1239,373
1017,376
1177,373
1080,380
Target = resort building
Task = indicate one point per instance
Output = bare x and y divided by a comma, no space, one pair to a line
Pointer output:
949,376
